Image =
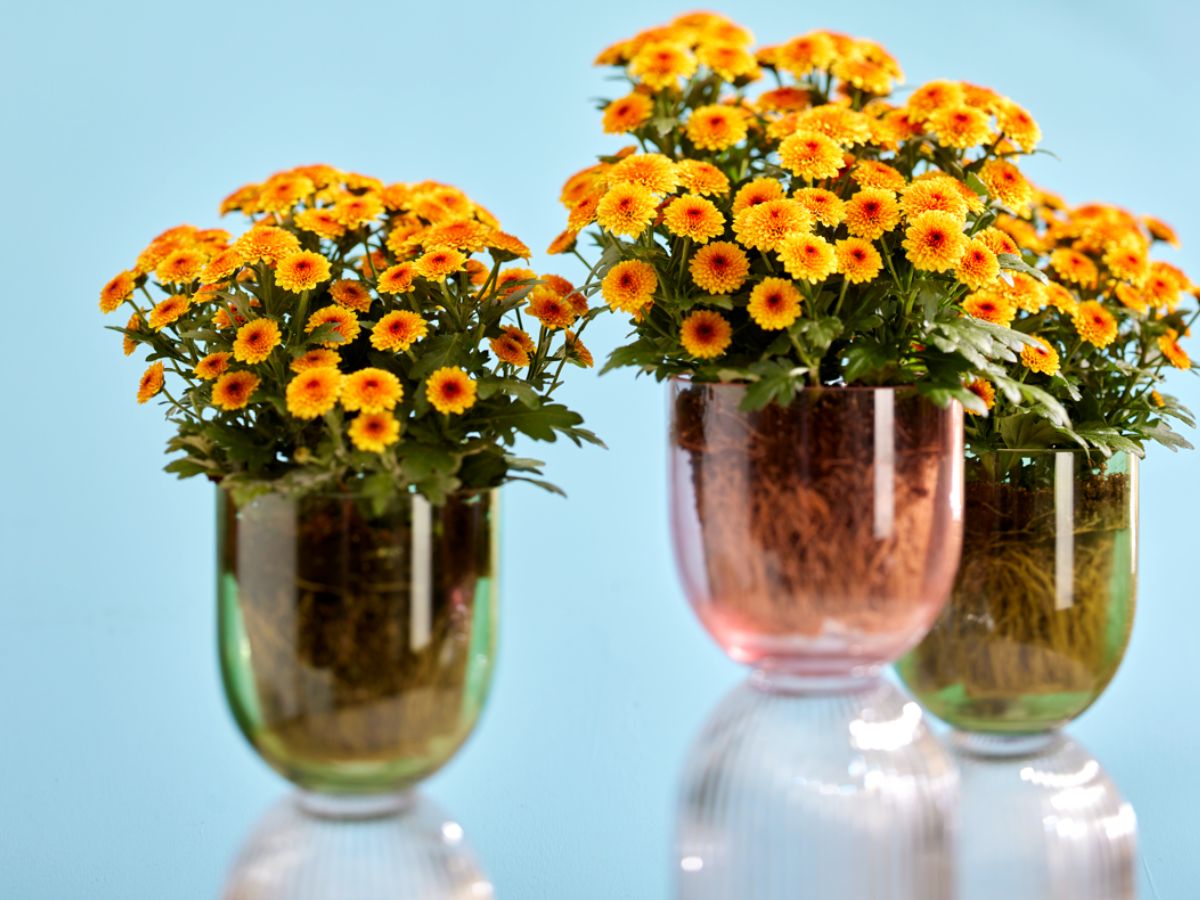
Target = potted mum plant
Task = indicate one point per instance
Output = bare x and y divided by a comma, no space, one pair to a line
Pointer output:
794,259
1041,612
351,372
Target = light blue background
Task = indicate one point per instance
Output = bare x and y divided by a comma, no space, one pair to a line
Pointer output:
121,775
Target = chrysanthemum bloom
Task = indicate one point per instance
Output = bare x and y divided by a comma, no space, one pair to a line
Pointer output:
935,95
1074,267
872,213
694,217
805,53
626,209
583,213
344,322
660,65
151,382
222,266
961,127
807,257
758,191
729,61
459,234
233,390
129,342
933,195
1041,358
1024,292
1128,262
584,182
1160,230
549,308
984,391
1018,125
302,271
212,366
181,267
629,286
374,432
1061,298
653,171
857,260
991,307
1005,182
371,390
508,348
397,279
811,156
118,289
1021,231
934,242
437,264
1164,284
313,392
702,178
978,267
719,268
869,173
783,99
1095,324
244,199
281,192
558,284
998,242
266,243
255,341
627,113
509,281
577,351
842,125
1175,354
765,226
1130,297
168,311
320,222
450,390
824,206
705,334
316,359
398,330
716,127
356,210
563,243
351,294
774,304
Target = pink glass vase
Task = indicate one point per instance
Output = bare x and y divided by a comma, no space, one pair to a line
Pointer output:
818,540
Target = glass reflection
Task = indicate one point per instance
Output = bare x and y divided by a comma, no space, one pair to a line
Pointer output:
1040,819
311,847
795,788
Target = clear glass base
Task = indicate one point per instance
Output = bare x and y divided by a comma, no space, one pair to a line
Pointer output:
321,847
1041,822
815,788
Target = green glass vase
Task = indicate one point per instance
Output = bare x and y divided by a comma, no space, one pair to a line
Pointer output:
1043,604
356,638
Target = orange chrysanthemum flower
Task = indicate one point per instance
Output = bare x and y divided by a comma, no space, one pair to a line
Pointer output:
728,60
129,342
351,294
549,308
872,213
576,351
858,260
321,222
374,432
1074,267
397,279
935,95
824,206
702,178
757,192
371,390
510,349
168,311
961,127
811,156
716,127
398,331
935,242
1130,297
563,243
705,334
302,271
355,210
978,266
118,289
1160,230
774,304
719,268
783,99
869,173
1062,299
313,392
255,341
627,113
807,257
626,209
940,194
991,307
1175,354
694,217
998,241
660,65
1128,262
1095,324
984,391
316,359
629,286
1005,182
1040,358
802,55
460,234
765,226
222,266
233,390
653,171
150,383
450,390
1164,283
1018,125
344,322
438,264
1024,292
181,267
280,193
266,243
212,366
843,126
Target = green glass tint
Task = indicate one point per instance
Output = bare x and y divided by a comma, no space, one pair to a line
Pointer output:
1043,603
356,643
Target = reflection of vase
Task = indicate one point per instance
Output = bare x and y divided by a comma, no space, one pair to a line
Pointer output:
838,794
819,538
1039,819
1043,605
356,638
414,852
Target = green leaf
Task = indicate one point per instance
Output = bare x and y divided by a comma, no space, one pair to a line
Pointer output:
1015,263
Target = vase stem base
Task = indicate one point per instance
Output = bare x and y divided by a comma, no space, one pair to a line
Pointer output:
348,807
786,681
1003,746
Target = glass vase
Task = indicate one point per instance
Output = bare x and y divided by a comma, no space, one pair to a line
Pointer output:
820,538
1043,605
357,636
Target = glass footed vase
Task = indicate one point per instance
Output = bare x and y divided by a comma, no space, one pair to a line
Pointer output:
356,638
1042,608
820,539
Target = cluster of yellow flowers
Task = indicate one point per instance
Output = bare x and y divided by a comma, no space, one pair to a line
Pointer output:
346,297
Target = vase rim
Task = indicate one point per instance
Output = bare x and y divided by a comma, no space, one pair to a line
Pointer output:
1046,451
355,495
806,389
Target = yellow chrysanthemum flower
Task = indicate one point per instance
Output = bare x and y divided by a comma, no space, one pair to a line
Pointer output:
344,322
577,351
757,192
549,308
627,209
960,127
371,390
934,242
316,359
940,194
730,61
806,53
1160,230
450,390
1062,299
266,243
984,391
255,341
998,241
282,192
129,342
1130,297
1018,125
233,390
811,156
857,260
398,330
774,304
935,95
118,289
1041,358
563,243
181,267
765,226
705,334
629,286
438,264
150,383
1024,292
807,257
351,294
870,173
716,127
627,113
782,99
302,271
653,171
1075,267
872,213
374,432
660,65
1095,324
978,266
168,311
1128,261
1175,354
509,348
222,266
213,366
719,268
313,392
990,307
694,217
824,206
356,210
702,178
321,222
1005,182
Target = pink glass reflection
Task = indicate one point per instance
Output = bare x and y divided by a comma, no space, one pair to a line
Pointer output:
821,539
